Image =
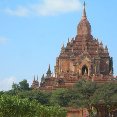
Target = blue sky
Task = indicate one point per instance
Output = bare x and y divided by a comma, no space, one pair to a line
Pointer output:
33,31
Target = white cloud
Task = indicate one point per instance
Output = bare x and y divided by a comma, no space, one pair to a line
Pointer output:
19,11
46,8
6,83
54,7
3,40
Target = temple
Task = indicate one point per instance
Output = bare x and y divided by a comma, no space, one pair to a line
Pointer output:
83,57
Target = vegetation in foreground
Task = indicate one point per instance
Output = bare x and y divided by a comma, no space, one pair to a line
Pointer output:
13,106
22,101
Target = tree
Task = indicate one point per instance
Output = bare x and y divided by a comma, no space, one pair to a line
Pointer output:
105,99
83,91
15,86
41,96
60,97
24,85
13,106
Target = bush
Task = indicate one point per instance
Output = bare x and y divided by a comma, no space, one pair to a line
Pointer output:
13,106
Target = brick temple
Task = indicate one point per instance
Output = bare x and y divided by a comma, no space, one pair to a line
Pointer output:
83,57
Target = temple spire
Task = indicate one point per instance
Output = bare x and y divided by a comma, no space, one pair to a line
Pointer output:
49,71
37,77
34,77
84,12
84,27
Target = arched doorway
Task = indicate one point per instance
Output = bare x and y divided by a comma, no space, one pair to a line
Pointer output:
84,70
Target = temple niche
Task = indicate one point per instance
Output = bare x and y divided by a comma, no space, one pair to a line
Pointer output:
83,57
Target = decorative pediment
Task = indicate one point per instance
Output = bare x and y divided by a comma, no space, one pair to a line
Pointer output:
83,60
87,59
85,56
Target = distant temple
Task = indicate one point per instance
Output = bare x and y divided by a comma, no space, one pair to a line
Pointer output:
83,57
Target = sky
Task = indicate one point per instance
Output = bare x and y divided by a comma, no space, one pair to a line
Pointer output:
33,31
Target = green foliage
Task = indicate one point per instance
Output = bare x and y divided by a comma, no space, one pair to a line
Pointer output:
60,97
1,93
83,90
86,87
15,86
91,96
41,97
22,86
85,94
106,93
13,106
